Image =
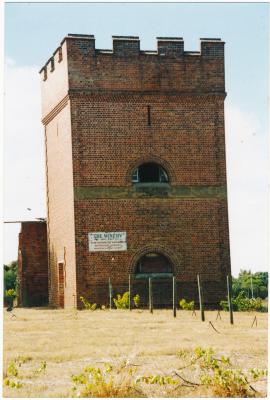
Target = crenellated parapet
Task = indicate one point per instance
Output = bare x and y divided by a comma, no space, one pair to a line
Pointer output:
128,46
77,65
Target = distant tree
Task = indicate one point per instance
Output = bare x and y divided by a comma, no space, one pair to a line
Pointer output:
243,284
10,275
260,282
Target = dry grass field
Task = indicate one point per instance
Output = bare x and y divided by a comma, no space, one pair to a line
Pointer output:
70,340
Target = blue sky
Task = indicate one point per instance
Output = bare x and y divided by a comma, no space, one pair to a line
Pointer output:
243,26
34,30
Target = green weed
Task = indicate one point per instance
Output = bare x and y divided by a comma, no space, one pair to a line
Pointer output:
243,303
217,374
42,368
12,384
186,306
109,381
122,302
87,305
12,372
12,369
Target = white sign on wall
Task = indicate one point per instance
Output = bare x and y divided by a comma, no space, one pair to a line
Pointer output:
107,241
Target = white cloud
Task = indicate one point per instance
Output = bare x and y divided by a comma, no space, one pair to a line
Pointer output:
247,166
9,62
24,177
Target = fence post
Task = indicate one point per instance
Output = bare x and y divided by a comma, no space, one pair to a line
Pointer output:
230,298
129,291
150,296
174,297
252,294
200,298
110,293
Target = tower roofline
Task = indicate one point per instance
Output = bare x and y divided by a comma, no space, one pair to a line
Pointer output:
130,45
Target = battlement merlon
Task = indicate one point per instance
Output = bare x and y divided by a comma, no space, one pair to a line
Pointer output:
77,65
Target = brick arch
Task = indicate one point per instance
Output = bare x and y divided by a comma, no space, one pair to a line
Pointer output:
151,159
175,262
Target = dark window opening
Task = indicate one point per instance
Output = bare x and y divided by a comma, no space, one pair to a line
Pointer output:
149,172
149,115
153,263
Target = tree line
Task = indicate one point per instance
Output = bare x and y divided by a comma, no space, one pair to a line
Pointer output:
253,285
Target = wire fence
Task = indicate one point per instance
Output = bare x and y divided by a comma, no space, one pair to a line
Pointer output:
152,301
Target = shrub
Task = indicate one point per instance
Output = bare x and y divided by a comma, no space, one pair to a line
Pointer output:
10,275
12,369
243,303
254,305
11,293
137,300
225,305
122,302
87,305
109,381
217,374
213,372
12,383
11,373
186,306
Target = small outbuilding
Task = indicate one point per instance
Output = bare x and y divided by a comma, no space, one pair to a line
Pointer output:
33,264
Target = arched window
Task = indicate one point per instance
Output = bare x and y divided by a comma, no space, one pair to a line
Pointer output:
149,172
153,263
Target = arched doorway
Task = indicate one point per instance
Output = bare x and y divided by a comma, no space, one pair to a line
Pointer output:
153,264
159,267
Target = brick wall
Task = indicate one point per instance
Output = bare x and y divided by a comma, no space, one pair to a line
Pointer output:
128,69
111,136
33,264
60,208
105,114
187,231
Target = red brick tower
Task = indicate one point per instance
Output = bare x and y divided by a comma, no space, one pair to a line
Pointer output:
136,174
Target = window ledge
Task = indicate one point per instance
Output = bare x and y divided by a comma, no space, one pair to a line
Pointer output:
151,185
152,189
154,275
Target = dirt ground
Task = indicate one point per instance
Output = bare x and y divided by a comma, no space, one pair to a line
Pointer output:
70,340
